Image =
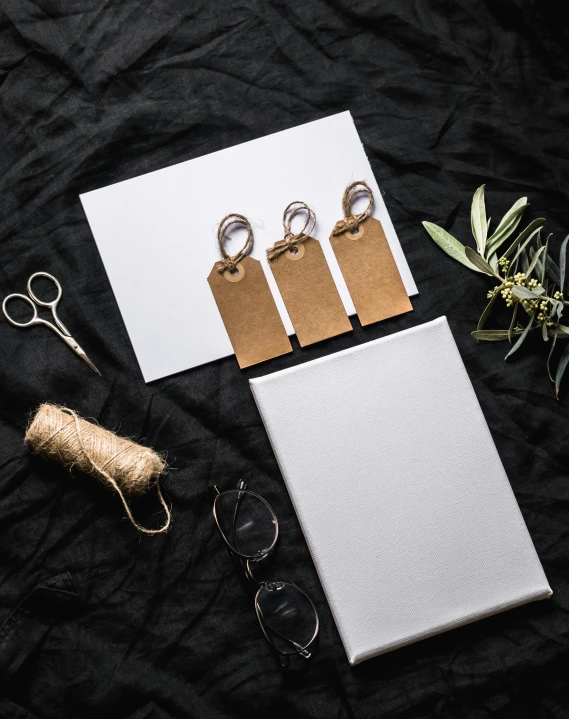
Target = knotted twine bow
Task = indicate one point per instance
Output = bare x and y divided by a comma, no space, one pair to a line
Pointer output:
291,240
230,263
351,222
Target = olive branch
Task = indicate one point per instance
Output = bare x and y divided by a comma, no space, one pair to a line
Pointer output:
526,277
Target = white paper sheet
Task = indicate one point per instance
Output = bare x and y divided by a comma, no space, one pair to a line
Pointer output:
157,233
405,506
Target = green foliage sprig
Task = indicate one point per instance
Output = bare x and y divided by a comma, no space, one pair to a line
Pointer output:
527,279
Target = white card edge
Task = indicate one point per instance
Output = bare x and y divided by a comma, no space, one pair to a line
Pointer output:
544,592
349,350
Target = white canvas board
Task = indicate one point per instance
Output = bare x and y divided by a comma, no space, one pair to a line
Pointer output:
405,505
157,233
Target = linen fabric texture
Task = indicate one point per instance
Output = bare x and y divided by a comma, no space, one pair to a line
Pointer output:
445,96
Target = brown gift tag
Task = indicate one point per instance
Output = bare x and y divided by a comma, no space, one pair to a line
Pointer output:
306,283
246,304
368,267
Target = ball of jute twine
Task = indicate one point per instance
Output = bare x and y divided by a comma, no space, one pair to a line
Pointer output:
291,240
59,434
230,262
351,222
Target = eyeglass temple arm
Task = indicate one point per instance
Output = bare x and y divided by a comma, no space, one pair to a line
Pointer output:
215,489
240,485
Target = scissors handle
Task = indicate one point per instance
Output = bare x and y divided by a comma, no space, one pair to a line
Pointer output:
34,301
43,303
35,320
52,304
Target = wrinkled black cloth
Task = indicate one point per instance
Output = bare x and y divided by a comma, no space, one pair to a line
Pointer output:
98,621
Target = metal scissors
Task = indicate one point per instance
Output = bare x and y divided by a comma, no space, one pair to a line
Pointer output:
60,330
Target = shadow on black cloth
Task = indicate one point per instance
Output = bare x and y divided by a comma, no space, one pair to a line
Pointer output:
446,96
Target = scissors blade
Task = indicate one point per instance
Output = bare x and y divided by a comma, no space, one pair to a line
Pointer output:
80,352
88,361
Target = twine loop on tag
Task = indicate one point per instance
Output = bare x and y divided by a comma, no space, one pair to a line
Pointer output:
351,222
291,240
61,435
230,262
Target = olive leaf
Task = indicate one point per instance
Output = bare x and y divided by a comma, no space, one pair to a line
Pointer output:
530,230
563,330
507,226
524,261
551,352
525,243
484,316
551,268
513,323
522,337
478,219
523,293
563,362
534,261
538,265
449,244
557,307
493,335
544,334
553,271
543,282
562,263
480,262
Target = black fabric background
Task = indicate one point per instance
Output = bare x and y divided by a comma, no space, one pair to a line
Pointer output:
446,95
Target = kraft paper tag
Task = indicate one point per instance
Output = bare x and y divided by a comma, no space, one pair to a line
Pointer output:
309,293
249,313
370,272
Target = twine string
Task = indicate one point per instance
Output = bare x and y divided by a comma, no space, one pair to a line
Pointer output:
60,434
291,240
230,262
352,222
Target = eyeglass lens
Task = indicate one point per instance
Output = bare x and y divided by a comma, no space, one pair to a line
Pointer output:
247,522
288,616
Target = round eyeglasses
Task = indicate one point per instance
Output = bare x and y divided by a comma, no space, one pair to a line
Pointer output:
249,528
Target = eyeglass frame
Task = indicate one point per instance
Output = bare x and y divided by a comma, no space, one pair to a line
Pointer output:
245,560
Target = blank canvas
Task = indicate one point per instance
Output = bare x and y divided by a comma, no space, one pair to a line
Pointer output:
405,505
157,233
